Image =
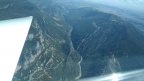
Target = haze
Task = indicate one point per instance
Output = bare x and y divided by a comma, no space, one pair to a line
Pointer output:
137,5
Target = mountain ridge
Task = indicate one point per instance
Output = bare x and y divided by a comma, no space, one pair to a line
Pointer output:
68,43
97,35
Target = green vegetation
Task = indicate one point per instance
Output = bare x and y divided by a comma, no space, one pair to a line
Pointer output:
97,36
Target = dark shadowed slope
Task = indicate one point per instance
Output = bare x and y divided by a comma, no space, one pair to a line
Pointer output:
60,34
106,43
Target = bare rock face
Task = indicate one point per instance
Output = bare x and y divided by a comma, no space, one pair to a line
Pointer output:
68,41
48,53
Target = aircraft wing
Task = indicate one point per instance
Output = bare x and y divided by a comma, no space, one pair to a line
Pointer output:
13,33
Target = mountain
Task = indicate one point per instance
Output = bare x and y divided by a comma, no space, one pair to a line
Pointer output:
48,54
106,42
69,41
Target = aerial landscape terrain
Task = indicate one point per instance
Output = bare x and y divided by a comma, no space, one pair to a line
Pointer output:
75,39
